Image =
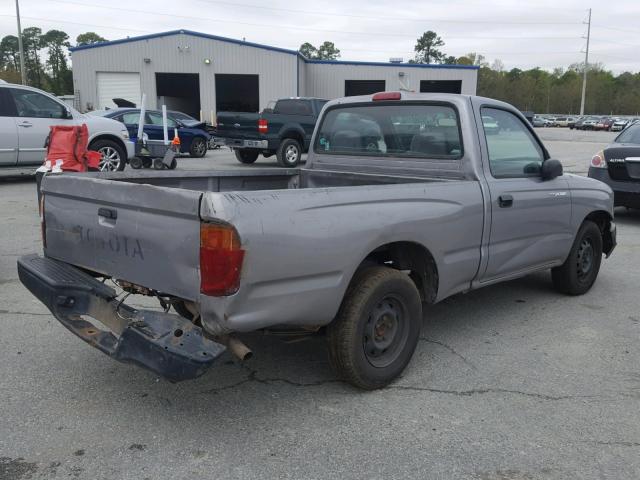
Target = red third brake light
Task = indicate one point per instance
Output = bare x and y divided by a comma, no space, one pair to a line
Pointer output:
221,258
386,96
263,126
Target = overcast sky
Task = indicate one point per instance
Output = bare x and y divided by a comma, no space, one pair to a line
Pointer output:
523,34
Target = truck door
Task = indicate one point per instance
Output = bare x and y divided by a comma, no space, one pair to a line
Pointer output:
530,218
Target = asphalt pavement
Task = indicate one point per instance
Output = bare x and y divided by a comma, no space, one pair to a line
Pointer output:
510,382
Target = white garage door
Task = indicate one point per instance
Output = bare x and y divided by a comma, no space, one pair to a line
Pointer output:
117,85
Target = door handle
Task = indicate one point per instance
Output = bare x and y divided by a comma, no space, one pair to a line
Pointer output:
25,124
111,213
505,201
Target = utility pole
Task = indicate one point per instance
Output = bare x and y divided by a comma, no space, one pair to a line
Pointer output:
586,66
20,47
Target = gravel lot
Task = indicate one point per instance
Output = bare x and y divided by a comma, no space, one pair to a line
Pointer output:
511,382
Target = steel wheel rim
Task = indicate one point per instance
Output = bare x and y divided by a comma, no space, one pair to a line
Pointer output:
585,258
385,332
110,160
291,154
200,147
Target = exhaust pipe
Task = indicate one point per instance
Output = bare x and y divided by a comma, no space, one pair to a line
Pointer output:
238,349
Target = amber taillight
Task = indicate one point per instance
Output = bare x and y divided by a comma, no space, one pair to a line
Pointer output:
221,258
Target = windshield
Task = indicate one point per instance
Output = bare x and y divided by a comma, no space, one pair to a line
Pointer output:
630,135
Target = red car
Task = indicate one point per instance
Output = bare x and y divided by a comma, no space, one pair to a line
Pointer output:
604,123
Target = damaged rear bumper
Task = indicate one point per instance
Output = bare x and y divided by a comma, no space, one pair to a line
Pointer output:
164,343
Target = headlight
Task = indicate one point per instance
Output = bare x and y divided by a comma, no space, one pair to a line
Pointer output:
124,133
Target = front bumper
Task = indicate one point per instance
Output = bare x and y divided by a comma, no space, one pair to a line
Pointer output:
166,344
626,194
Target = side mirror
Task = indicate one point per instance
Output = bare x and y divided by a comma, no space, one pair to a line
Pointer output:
67,114
551,168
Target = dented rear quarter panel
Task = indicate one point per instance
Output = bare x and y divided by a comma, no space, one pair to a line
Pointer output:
303,246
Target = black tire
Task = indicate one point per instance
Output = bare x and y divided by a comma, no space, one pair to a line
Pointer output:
246,156
173,164
136,162
289,153
580,270
114,158
377,328
198,147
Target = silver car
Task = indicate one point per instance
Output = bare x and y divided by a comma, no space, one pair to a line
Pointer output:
26,113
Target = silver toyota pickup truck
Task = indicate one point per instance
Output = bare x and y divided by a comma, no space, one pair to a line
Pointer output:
405,200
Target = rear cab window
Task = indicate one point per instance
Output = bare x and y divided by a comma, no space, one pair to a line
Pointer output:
293,106
402,130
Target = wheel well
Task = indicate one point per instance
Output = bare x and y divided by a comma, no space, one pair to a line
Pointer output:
293,134
603,220
412,257
112,138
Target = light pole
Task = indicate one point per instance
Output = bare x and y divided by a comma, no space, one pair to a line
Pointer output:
23,74
586,66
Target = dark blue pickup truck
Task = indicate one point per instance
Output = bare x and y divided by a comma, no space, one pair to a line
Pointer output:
284,130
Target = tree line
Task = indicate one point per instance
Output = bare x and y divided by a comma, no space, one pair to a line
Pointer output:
535,89
47,67
45,58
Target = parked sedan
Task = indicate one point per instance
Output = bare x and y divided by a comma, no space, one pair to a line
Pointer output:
587,124
192,133
604,123
618,165
619,124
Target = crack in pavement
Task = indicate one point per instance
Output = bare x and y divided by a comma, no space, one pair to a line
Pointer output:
253,377
615,444
451,349
483,391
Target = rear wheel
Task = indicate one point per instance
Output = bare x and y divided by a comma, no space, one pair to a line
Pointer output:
198,147
113,156
377,327
580,270
289,153
246,156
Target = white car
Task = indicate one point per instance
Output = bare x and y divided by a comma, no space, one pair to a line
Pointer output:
26,114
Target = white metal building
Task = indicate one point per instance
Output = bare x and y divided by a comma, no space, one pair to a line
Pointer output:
201,74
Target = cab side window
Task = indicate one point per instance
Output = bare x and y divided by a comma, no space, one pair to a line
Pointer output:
35,105
513,150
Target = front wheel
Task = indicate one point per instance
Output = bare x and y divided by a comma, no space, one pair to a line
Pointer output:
246,156
580,270
113,156
376,331
198,147
289,153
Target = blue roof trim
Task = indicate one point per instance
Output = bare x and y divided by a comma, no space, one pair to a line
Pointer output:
185,32
389,64
266,47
